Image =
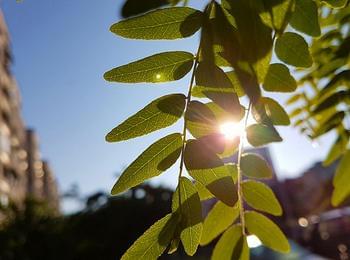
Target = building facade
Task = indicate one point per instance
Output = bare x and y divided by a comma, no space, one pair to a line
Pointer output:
22,171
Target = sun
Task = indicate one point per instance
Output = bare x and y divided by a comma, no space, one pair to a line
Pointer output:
232,129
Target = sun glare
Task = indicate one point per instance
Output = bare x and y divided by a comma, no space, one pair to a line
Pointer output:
253,241
232,130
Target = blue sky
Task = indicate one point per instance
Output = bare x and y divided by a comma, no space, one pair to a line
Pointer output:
61,50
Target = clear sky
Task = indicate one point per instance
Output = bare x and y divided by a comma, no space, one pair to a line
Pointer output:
61,50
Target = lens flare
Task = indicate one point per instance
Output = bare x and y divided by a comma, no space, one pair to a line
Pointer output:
231,130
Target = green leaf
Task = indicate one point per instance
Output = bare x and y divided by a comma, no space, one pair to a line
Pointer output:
336,3
160,113
210,75
272,110
305,18
236,83
152,162
293,99
329,124
279,79
232,245
337,149
200,91
259,134
214,82
341,180
260,196
191,214
163,24
154,241
292,49
296,112
200,120
341,78
161,67
267,231
255,166
199,155
332,101
219,182
219,218
204,194
254,36
277,13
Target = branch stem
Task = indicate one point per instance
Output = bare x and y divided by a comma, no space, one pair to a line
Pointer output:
184,131
239,172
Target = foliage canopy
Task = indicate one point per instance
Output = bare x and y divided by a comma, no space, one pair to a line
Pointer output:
231,67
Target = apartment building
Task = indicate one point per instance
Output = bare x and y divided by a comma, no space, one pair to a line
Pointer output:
22,171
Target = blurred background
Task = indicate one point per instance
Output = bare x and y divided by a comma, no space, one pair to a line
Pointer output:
56,170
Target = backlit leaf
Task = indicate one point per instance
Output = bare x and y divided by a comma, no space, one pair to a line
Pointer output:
191,214
292,49
204,194
305,17
337,149
332,100
236,83
154,241
210,75
200,120
160,113
219,182
152,162
169,23
279,79
267,231
260,196
161,67
259,134
254,36
199,155
341,180
255,166
218,219
277,13
273,111
329,123
231,245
